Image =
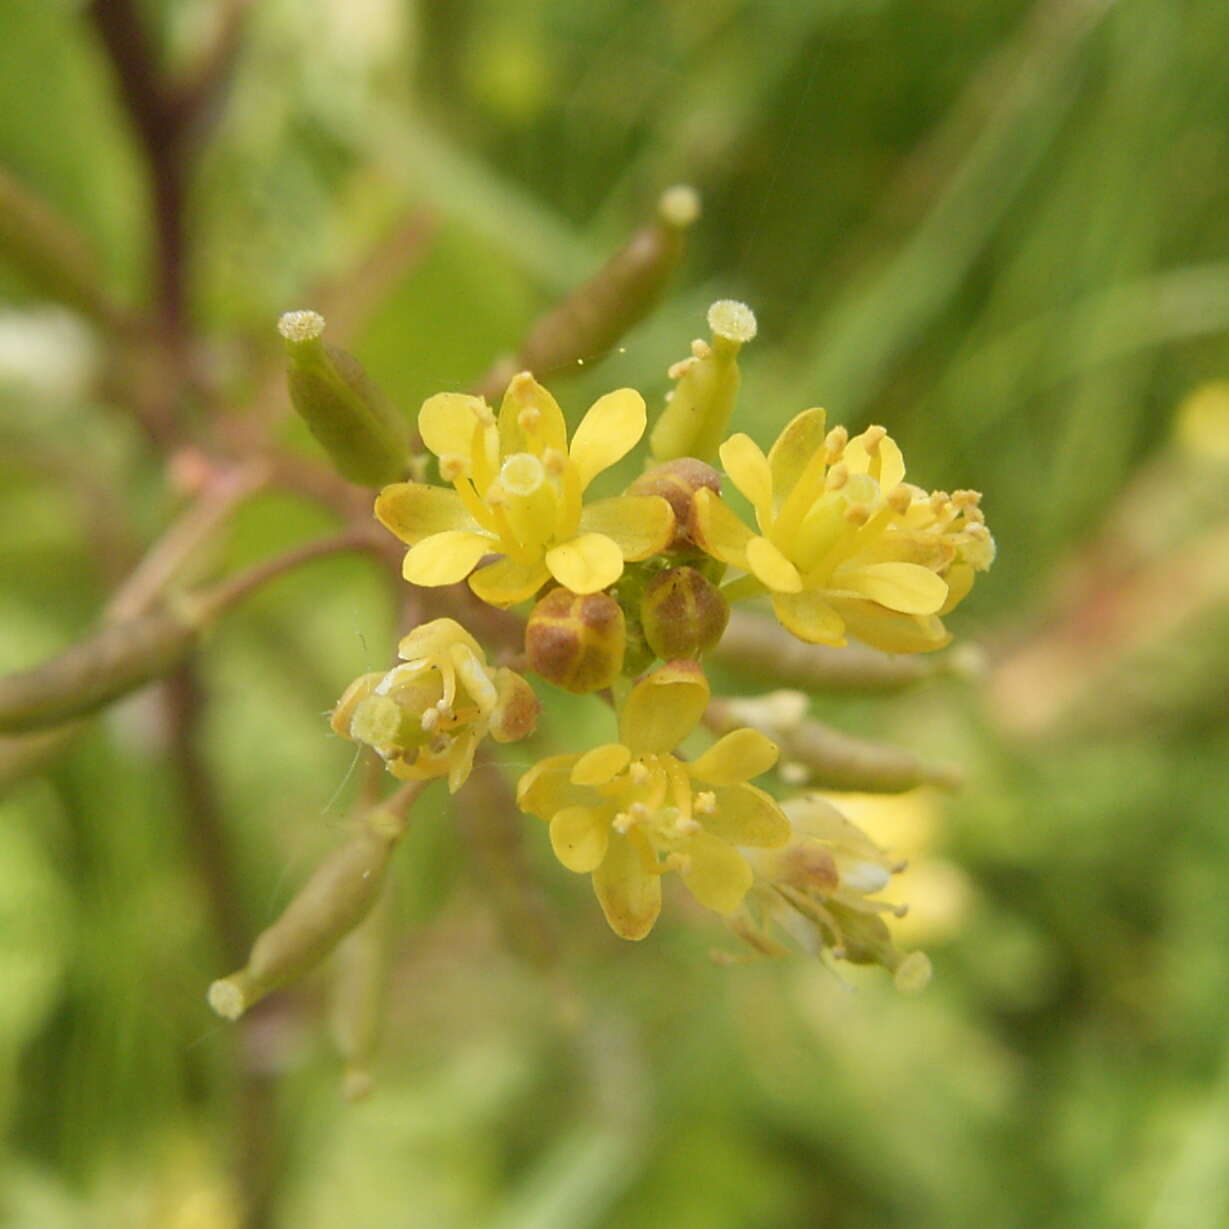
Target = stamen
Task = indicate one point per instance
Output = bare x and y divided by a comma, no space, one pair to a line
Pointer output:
429,720
452,466
834,443
700,348
899,500
554,462
705,803
838,475
872,437
857,514
529,419
676,371
639,773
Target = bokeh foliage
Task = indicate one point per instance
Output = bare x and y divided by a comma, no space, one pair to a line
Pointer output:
998,229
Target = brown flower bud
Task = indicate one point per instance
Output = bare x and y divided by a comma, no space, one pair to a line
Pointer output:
683,614
576,641
677,482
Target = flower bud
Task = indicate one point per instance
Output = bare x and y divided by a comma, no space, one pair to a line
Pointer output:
365,437
683,614
677,482
576,641
706,385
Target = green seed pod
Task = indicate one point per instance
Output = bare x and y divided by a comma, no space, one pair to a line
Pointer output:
706,385
683,614
677,482
332,902
118,659
576,642
590,321
366,439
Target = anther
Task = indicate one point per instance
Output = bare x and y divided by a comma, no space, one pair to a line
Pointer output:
554,462
705,802
834,443
429,720
857,514
452,466
838,475
872,437
639,773
529,419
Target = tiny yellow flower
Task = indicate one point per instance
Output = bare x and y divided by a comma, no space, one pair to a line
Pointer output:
845,545
817,889
426,717
628,812
518,491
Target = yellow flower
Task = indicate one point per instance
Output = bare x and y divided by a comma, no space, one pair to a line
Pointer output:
818,890
426,716
628,812
519,492
845,546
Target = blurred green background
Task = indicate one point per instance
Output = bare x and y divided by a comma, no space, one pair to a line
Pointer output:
1000,230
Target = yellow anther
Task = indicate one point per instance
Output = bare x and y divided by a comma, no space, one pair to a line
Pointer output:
639,773
706,802
899,500
838,475
834,443
676,371
495,494
700,349
483,413
554,462
872,437
685,826
430,719
857,514
529,419
452,466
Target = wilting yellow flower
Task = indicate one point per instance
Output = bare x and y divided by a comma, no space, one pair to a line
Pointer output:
518,492
845,546
627,812
817,890
426,716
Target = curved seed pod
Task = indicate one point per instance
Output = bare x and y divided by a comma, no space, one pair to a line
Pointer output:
365,437
117,659
590,321
330,904
706,385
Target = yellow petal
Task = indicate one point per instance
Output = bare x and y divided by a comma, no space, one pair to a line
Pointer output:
414,510
663,708
906,587
719,531
739,756
461,759
716,875
445,558
892,632
748,470
446,423
546,430
746,815
809,616
891,464
579,836
802,438
598,766
608,432
586,564
770,566
547,787
959,582
436,638
628,887
640,525
508,581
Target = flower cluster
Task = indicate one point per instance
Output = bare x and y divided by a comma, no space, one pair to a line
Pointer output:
631,592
